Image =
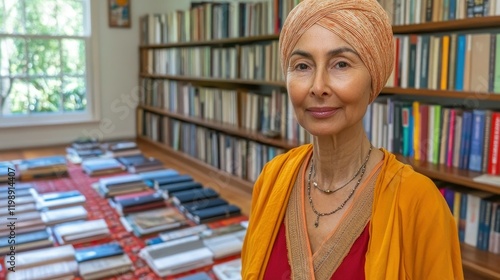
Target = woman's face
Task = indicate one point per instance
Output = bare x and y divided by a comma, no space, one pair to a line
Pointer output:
327,82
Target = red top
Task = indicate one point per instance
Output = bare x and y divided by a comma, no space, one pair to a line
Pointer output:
352,267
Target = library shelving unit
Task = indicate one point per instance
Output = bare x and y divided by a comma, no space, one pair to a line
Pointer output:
477,261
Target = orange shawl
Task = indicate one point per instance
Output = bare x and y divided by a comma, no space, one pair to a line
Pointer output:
412,232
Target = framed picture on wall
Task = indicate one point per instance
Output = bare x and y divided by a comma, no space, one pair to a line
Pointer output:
119,13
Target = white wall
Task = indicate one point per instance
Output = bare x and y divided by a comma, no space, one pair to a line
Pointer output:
117,82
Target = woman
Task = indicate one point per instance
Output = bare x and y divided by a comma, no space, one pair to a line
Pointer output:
340,208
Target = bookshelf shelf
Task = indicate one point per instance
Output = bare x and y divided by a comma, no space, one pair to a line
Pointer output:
449,174
481,262
221,179
228,129
447,26
483,96
215,43
217,81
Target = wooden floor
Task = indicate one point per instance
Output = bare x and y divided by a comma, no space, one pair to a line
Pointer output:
240,198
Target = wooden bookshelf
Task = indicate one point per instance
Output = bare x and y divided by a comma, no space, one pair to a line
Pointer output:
449,174
485,264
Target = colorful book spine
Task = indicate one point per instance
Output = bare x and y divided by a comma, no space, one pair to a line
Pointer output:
493,165
476,147
460,62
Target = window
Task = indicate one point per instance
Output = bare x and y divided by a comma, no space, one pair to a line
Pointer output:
44,61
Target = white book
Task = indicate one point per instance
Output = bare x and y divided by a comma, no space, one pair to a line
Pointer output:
105,267
44,256
223,245
176,234
60,203
57,216
182,262
80,228
230,270
46,272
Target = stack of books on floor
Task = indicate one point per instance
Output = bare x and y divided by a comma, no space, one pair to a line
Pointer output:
81,231
188,249
55,200
42,167
139,163
102,166
123,184
230,270
103,260
120,148
82,149
44,264
154,221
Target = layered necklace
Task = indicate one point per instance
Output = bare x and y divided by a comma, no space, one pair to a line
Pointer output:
312,170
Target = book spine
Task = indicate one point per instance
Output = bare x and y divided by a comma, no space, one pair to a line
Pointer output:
493,165
460,63
463,217
451,134
476,150
486,141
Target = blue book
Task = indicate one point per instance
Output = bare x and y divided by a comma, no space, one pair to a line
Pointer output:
452,8
213,213
477,138
405,122
460,60
98,252
463,216
466,139
149,175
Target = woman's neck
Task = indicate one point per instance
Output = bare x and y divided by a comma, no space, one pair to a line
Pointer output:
338,158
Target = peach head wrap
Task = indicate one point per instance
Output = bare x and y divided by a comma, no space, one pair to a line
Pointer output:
363,24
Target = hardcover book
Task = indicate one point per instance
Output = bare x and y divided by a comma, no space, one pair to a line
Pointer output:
105,267
194,195
157,183
155,220
230,270
213,213
98,252
170,190
44,256
202,204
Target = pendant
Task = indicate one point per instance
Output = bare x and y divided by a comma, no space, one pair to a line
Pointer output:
316,224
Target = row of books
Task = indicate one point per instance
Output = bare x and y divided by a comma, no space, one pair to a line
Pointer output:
238,156
146,209
477,214
269,112
192,248
456,137
404,12
256,62
209,21
86,148
66,262
213,62
461,62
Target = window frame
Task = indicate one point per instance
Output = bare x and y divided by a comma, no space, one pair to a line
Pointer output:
91,113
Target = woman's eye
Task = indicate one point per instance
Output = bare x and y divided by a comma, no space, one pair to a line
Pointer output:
342,64
301,66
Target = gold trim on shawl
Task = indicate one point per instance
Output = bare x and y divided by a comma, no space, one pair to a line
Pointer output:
328,258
